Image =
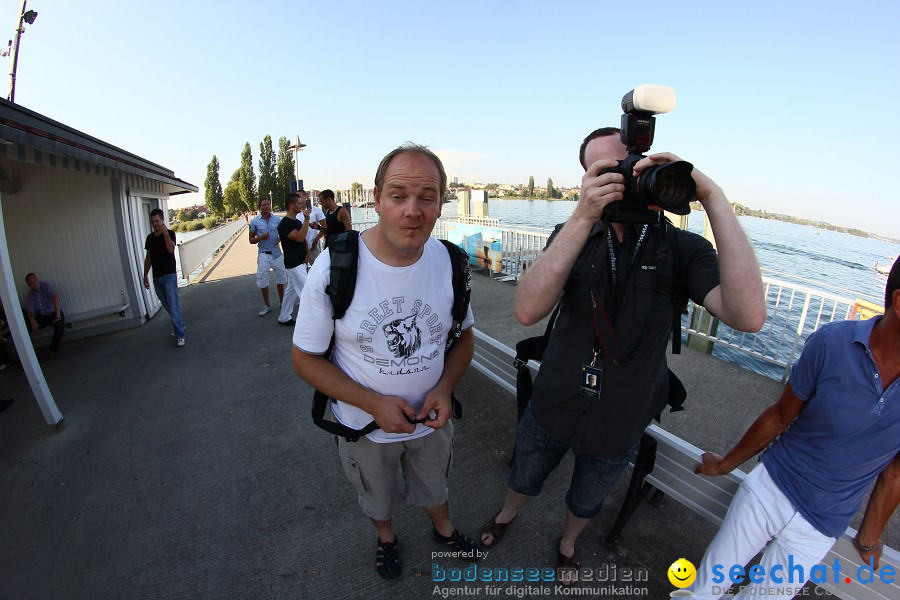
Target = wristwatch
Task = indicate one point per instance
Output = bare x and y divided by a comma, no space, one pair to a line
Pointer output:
864,549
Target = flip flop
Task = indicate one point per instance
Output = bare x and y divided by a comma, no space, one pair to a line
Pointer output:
495,530
565,564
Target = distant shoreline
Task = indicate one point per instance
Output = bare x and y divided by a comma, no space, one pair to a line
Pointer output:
744,211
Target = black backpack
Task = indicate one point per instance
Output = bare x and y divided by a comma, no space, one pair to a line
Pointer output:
533,348
344,251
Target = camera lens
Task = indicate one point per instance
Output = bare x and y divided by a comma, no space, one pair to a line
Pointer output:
670,186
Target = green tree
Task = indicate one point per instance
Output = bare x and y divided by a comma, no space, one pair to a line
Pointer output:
529,191
214,194
247,179
355,191
183,215
234,204
550,193
268,183
285,171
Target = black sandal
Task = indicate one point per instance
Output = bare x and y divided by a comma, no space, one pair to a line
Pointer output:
463,546
387,559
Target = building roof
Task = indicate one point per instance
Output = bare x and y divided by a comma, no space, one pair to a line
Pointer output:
21,128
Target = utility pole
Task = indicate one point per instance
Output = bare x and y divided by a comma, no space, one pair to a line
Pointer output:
297,146
24,17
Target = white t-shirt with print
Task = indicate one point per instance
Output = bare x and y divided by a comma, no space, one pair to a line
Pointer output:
314,217
392,337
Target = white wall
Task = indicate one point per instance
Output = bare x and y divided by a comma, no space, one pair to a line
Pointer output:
62,226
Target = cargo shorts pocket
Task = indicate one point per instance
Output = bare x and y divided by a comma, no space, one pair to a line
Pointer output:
354,474
449,458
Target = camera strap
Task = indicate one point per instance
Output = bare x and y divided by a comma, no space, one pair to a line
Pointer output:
606,340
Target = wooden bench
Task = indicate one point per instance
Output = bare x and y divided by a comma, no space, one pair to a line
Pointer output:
665,465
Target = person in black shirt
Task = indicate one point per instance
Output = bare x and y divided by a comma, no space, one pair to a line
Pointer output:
160,247
292,233
615,284
337,219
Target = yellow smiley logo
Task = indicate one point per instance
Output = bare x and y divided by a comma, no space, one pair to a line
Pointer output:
682,573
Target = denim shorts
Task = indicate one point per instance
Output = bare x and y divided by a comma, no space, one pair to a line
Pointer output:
538,453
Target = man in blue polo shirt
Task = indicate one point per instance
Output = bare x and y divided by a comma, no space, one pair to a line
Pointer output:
42,309
837,425
264,233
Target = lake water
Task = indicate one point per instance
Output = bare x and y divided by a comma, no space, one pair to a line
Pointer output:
836,262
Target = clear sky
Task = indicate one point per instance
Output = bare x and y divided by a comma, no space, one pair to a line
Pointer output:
789,106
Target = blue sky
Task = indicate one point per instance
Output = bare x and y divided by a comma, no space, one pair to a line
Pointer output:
787,105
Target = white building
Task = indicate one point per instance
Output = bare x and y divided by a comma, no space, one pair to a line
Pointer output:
75,211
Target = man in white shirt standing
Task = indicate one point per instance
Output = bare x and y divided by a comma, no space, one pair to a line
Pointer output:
315,233
388,362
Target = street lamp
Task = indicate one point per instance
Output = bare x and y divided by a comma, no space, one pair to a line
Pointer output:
297,147
24,17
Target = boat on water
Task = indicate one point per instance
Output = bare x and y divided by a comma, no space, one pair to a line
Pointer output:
885,269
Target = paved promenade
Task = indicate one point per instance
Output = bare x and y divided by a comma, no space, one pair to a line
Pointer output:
197,472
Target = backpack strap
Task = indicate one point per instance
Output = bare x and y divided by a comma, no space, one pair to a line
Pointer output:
344,252
462,289
679,297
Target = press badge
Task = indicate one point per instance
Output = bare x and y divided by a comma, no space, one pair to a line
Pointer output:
591,378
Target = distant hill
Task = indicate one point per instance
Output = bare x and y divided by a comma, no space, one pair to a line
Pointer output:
743,211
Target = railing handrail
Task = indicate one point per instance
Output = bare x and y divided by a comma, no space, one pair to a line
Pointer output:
194,253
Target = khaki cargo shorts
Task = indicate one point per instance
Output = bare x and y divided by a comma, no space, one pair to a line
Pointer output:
372,469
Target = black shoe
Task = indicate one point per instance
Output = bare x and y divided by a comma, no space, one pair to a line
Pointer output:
462,546
4,404
387,559
290,323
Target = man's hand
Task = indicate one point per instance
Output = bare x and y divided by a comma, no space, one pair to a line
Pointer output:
439,402
391,412
146,282
264,236
33,324
597,191
306,214
712,465
706,187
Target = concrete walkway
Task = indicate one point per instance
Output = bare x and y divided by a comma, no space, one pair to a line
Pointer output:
197,472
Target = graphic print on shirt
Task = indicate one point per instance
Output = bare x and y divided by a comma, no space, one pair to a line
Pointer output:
403,337
397,330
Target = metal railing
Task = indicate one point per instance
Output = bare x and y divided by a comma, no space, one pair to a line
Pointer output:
194,253
794,311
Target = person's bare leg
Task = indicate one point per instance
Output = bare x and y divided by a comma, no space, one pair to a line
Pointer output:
511,505
440,518
265,295
571,530
280,293
385,530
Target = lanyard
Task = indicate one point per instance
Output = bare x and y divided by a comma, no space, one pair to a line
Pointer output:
603,328
612,252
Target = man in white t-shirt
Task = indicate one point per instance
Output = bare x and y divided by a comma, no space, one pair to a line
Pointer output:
314,234
388,362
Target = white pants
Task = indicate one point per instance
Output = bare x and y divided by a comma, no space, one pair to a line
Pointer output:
264,262
759,514
296,279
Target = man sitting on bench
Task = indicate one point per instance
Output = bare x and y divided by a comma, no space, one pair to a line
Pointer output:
42,309
837,425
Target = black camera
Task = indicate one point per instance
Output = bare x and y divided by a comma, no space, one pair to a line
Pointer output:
669,186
